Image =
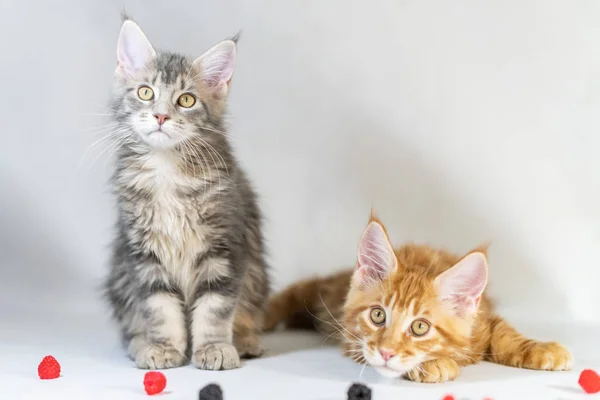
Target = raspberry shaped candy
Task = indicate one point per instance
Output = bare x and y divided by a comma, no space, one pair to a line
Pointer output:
590,381
49,368
448,397
154,382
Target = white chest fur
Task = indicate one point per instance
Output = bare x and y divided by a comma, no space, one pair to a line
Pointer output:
171,222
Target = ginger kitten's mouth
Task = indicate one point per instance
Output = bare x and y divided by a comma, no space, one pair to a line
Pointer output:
389,372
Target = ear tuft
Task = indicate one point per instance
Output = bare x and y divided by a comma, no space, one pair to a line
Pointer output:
376,256
236,38
217,65
134,50
125,16
462,286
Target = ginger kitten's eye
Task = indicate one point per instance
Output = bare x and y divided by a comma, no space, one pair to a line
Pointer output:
419,327
378,316
145,93
186,100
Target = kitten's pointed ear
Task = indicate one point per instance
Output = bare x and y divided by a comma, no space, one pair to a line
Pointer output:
134,50
462,286
216,66
376,256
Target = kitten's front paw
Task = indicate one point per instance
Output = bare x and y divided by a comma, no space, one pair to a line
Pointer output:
435,371
216,356
156,356
549,356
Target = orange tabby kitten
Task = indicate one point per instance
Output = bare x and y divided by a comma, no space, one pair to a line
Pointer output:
414,312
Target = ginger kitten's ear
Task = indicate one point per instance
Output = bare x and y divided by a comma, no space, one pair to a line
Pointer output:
216,66
134,50
462,285
376,256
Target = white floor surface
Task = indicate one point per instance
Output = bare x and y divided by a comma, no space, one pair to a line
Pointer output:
298,366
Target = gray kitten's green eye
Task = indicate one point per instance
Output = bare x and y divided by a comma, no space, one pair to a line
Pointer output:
377,316
145,93
186,100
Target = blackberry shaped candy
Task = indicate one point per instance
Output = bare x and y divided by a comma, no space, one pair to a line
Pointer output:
211,392
358,391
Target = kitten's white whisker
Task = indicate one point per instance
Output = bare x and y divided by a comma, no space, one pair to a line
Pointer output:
104,139
338,322
329,336
361,371
120,144
222,160
336,328
188,155
100,128
227,135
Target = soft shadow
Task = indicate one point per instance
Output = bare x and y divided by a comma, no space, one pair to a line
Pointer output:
567,389
329,363
278,343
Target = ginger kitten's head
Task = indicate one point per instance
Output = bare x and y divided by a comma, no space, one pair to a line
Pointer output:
411,305
163,100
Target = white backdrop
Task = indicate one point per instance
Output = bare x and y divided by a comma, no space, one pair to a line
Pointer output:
460,122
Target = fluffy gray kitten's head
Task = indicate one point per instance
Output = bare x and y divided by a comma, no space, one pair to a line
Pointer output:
164,100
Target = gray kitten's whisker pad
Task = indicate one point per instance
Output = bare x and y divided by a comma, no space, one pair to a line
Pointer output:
188,277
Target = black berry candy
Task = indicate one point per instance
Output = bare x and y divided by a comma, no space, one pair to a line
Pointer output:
359,391
211,392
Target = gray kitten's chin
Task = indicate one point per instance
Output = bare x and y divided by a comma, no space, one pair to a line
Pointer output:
159,140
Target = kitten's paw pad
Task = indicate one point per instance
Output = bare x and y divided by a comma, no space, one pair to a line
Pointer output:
216,356
548,357
249,349
435,371
156,356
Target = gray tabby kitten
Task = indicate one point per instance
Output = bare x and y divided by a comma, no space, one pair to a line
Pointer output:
188,275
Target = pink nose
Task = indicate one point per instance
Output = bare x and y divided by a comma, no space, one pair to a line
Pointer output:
161,118
386,354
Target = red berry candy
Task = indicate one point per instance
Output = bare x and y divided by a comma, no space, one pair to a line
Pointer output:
448,397
49,368
154,382
589,380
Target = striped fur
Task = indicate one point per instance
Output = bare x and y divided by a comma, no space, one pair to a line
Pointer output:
407,289
188,276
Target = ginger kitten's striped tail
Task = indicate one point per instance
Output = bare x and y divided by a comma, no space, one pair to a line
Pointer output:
293,305
305,304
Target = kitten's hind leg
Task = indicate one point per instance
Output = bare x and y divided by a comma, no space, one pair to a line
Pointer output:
247,328
250,312
509,347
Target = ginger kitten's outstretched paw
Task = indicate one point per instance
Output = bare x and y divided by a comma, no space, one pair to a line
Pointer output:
435,371
509,347
546,356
